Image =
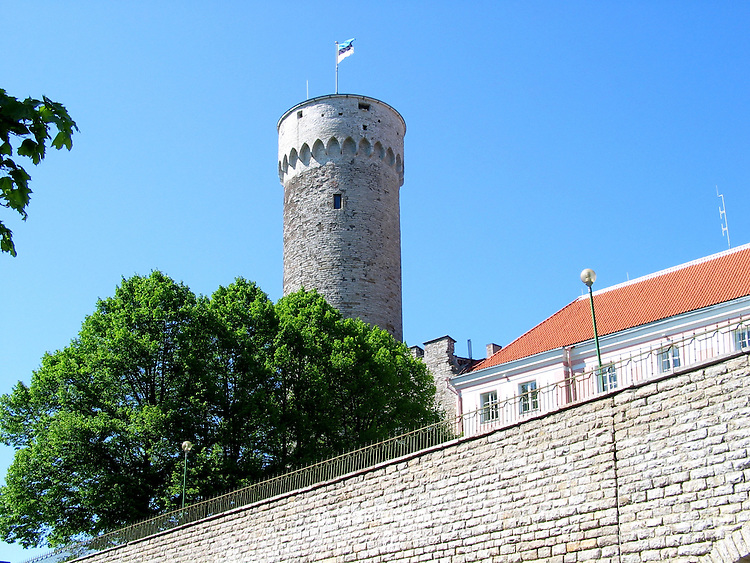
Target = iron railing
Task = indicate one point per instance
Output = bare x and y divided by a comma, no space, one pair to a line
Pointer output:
614,376
323,471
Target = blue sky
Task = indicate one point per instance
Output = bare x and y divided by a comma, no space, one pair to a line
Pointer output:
542,138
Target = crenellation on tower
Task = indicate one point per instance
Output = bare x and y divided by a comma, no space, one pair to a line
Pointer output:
334,130
341,164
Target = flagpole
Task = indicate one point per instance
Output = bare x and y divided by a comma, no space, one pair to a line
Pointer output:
337,67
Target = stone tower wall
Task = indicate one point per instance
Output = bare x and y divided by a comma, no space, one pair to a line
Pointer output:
347,147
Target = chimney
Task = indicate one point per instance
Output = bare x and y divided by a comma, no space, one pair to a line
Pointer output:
492,349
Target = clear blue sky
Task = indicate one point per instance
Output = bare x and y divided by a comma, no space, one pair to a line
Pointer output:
542,138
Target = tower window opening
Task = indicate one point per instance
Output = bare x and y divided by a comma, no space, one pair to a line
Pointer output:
364,106
364,128
341,113
299,114
337,201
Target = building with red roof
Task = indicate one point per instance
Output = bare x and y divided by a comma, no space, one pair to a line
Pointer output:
647,327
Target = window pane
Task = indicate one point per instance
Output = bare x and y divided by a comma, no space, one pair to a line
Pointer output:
488,403
741,338
607,379
528,399
669,359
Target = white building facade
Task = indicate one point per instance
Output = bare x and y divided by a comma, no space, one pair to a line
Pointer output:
695,313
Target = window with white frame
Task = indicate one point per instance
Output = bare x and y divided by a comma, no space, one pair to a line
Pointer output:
528,398
742,338
606,378
488,404
669,359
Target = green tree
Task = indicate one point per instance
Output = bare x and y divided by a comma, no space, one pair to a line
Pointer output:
258,388
341,383
97,427
233,450
25,127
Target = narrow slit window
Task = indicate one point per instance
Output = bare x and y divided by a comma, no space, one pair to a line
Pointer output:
364,106
337,201
299,114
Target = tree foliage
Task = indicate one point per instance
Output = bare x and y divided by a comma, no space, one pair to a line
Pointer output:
258,388
25,128
340,382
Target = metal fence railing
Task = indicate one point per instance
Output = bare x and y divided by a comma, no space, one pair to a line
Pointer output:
615,375
339,466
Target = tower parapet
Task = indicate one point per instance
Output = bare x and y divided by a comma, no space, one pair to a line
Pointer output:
341,164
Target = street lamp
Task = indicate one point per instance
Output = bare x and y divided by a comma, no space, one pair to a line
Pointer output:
588,277
186,447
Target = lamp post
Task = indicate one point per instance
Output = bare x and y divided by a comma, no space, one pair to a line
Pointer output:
186,447
588,277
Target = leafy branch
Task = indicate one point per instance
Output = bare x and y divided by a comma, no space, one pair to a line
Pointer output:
25,130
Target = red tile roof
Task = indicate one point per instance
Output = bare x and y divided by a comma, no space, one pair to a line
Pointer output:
701,283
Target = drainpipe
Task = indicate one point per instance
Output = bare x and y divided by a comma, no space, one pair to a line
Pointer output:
459,402
570,384
567,368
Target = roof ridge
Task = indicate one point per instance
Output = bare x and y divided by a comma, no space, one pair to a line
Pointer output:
669,270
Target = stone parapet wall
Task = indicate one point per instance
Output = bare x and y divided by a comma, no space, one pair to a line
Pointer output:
683,462
660,472
440,358
340,127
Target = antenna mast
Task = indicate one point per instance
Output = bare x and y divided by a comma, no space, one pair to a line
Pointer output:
723,217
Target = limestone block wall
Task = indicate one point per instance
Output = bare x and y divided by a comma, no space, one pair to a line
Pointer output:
660,472
341,164
441,361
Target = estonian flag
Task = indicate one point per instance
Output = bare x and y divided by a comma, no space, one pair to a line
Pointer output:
345,49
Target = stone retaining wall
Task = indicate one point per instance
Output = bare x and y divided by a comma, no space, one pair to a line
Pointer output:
654,473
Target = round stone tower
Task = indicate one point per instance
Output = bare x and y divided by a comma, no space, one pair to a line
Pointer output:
341,164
